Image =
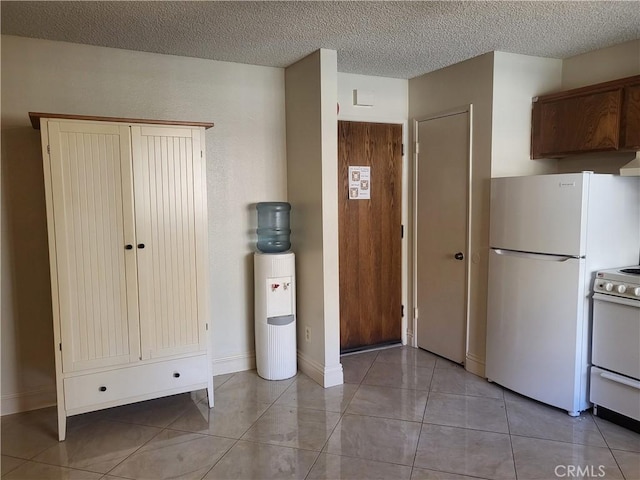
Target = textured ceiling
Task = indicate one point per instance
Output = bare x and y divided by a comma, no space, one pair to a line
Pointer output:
392,39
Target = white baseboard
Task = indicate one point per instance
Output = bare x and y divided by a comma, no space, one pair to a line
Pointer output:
475,365
32,400
411,339
325,376
234,363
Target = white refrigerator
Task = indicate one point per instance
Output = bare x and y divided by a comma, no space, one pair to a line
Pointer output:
549,234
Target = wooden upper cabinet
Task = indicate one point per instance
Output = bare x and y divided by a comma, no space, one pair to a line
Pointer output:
597,118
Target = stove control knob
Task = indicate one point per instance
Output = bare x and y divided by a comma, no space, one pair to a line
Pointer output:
621,289
636,291
608,286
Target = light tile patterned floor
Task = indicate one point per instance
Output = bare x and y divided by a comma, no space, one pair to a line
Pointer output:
401,414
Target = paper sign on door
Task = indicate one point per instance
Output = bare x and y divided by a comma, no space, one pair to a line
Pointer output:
359,183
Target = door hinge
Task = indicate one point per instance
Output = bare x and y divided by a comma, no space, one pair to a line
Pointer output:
415,313
201,154
60,346
417,147
403,149
401,231
49,149
402,311
206,326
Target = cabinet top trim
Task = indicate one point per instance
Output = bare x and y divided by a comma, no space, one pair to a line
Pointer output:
589,89
36,116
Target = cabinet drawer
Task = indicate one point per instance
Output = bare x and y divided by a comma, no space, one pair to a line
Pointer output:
615,392
115,385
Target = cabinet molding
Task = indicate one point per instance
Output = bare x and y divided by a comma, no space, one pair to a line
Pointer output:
596,118
36,117
127,225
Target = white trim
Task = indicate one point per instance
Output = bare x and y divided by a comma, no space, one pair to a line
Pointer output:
234,363
411,338
469,241
475,365
42,397
327,377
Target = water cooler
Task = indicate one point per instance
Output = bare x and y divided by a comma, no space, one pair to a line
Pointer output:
275,294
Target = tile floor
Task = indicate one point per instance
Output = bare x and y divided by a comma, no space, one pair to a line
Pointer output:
401,414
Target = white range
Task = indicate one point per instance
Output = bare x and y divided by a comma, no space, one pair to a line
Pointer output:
615,356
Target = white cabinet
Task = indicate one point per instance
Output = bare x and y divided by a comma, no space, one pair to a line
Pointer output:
127,222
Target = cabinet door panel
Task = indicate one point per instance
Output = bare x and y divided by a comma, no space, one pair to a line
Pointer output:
168,171
92,205
632,117
580,124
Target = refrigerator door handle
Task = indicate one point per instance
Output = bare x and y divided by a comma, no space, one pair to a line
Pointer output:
534,256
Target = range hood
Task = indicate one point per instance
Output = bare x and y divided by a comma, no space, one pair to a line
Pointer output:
631,169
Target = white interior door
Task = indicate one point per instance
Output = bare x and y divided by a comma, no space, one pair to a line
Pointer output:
442,193
93,212
170,199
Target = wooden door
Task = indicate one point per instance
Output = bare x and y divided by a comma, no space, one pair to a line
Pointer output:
93,215
442,196
170,199
370,236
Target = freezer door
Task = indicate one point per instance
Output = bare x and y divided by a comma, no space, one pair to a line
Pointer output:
540,213
537,332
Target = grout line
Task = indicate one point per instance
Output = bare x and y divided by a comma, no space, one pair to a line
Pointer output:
313,464
132,453
593,418
590,445
220,459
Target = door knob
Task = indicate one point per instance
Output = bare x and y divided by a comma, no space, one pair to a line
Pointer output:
459,256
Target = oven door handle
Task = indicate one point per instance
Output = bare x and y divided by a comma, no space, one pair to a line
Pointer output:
623,380
619,300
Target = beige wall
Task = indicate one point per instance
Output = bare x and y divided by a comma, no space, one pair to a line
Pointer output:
246,163
618,61
516,80
469,82
312,176
391,98
601,65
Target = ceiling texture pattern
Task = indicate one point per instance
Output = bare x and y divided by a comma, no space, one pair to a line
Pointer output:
391,39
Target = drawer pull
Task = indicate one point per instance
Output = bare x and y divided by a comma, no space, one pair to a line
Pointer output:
103,388
176,374
622,380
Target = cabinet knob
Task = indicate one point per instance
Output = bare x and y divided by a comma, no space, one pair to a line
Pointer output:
128,246
103,388
459,256
176,374
141,245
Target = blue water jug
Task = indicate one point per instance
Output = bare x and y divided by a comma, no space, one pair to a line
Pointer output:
273,227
